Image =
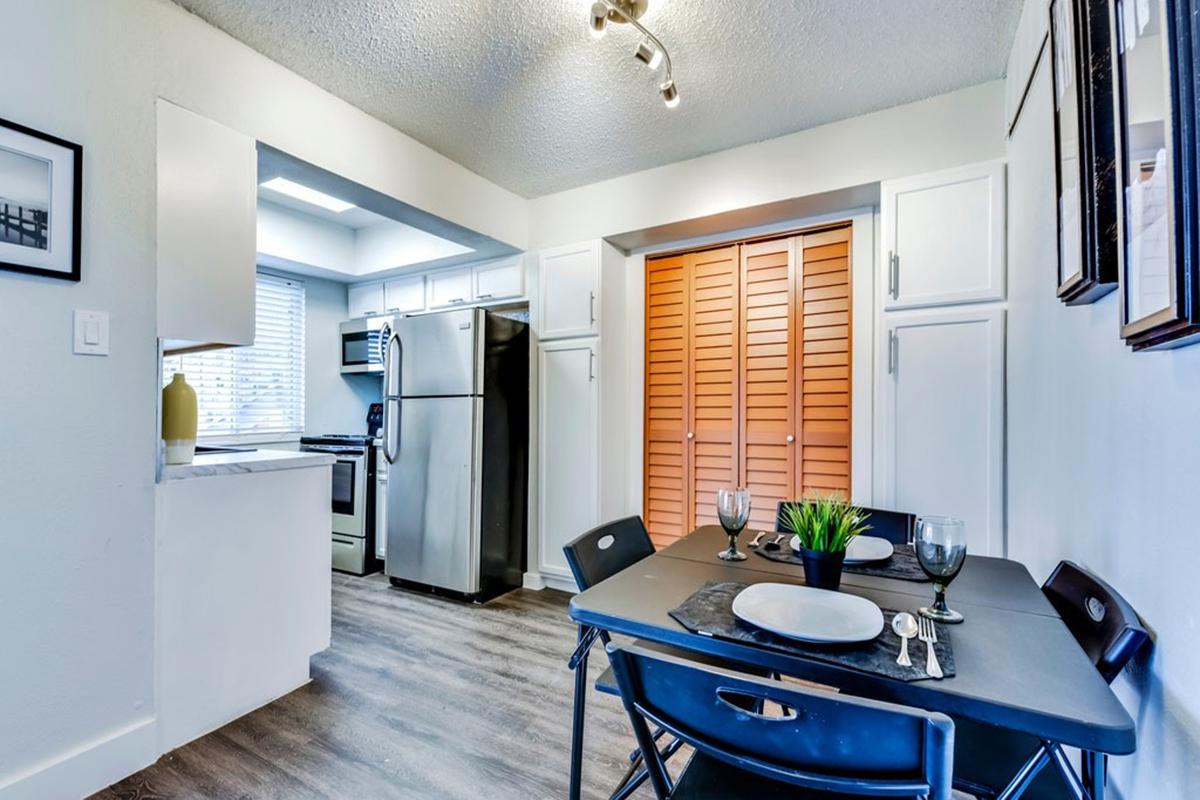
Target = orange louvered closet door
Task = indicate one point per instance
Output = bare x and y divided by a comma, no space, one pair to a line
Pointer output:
747,377
713,336
825,376
668,349
768,381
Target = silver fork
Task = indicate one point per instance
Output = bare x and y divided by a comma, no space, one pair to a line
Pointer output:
927,633
754,542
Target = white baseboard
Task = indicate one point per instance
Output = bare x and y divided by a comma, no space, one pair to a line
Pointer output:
533,580
88,768
562,584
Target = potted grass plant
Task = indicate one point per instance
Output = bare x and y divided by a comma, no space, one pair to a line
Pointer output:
823,528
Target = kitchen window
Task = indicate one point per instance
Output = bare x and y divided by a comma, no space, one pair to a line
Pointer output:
257,392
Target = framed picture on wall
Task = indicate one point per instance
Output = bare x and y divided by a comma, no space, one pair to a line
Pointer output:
1085,149
1155,79
41,185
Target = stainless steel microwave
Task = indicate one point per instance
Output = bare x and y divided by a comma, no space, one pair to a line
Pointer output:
363,343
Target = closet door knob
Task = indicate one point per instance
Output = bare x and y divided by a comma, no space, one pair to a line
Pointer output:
691,435
791,438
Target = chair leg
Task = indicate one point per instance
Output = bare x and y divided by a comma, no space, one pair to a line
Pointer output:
575,782
1087,788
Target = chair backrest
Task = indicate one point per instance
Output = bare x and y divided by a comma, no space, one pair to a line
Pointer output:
895,526
823,741
606,550
1102,621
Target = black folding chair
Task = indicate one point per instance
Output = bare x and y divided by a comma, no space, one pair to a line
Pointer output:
895,526
596,555
992,762
822,745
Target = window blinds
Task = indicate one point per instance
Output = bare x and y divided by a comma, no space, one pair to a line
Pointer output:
259,390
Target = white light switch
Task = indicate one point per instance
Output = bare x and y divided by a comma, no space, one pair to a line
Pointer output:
91,333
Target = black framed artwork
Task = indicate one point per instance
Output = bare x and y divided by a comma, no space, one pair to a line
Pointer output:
1085,150
1154,65
41,195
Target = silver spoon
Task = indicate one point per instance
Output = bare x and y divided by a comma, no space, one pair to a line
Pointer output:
905,626
755,540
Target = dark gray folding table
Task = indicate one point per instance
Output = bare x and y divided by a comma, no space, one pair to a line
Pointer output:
1017,664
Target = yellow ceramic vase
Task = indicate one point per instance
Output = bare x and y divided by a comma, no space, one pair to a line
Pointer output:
179,420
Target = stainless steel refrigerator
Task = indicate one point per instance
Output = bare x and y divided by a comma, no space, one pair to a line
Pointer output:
456,438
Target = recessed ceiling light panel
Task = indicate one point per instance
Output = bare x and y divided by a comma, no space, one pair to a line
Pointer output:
307,195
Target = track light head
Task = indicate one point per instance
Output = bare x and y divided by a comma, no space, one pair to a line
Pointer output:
670,94
599,19
649,55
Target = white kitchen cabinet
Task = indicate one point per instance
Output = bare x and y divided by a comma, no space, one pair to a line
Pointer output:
940,424
943,237
498,280
449,288
569,302
568,463
404,295
207,184
365,299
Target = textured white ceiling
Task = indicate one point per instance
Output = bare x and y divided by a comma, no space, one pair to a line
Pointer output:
520,93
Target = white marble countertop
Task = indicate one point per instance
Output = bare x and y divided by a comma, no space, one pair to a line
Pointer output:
206,465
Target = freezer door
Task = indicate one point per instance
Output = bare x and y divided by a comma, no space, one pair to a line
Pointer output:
441,353
433,494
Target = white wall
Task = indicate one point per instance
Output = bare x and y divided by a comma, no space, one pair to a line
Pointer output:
78,434
1102,464
292,236
333,402
944,131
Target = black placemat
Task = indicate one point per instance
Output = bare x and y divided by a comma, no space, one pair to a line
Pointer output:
902,564
710,612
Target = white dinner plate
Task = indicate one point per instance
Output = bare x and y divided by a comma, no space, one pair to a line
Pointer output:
808,614
862,549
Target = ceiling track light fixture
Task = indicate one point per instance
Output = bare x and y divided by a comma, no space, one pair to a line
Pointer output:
649,51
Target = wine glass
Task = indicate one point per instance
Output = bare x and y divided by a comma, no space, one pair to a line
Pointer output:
733,509
941,545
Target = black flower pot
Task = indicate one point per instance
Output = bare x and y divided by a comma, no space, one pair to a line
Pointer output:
823,570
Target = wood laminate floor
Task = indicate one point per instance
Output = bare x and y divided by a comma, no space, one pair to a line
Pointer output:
418,697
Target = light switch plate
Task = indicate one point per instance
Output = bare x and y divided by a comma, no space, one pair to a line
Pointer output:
91,333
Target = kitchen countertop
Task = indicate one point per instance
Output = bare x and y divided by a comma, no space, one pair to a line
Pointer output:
206,465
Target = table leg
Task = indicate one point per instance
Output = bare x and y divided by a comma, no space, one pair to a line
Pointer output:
581,675
1095,777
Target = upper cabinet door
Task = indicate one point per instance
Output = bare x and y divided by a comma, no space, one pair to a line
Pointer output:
449,289
404,295
207,188
569,291
499,280
364,299
943,237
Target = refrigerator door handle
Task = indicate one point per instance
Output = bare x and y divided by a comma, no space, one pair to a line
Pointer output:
393,366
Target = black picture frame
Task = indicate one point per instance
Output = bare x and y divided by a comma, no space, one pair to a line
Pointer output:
34,241
1081,52
1171,174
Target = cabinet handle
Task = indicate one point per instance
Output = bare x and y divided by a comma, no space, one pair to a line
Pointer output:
592,308
893,275
893,352
691,435
456,300
483,296
592,365
395,310
790,438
